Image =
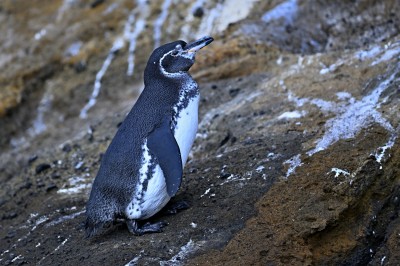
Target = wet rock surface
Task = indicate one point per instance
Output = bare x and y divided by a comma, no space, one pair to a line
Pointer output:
297,157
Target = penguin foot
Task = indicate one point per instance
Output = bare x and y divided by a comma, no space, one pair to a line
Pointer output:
137,230
175,207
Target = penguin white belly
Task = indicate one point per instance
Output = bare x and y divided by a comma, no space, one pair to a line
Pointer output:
148,201
186,127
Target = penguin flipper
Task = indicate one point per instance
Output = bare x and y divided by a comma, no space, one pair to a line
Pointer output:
162,143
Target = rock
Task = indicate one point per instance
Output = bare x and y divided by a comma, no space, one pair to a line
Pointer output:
296,158
67,148
42,167
26,185
51,187
10,234
32,159
10,215
198,12
96,3
55,175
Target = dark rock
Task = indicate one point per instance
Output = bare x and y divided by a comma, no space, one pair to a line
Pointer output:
10,215
2,201
80,67
55,175
32,159
225,175
10,234
96,3
42,167
234,92
198,12
26,185
51,187
67,148
40,183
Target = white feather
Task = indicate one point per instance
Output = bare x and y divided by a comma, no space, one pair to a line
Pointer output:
186,127
155,197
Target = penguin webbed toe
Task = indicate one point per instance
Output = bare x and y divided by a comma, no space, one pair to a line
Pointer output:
175,207
148,227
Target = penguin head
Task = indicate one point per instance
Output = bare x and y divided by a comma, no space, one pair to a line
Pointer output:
176,58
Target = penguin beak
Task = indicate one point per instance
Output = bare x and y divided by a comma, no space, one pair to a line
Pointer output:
197,45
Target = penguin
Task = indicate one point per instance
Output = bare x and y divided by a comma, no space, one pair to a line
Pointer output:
143,165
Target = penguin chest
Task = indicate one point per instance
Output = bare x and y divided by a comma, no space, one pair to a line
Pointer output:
186,126
150,193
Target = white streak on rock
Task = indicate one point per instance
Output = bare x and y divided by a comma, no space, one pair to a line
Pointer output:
76,185
260,169
383,260
135,260
133,35
343,95
205,193
73,49
39,125
117,45
331,68
233,11
55,250
354,117
128,35
367,54
279,60
235,178
186,30
293,98
160,21
380,153
64,8
17,258
193,225
40,34
207,24
286,10
290,115
389,54
110,8
339,172
65,218
185,251
293,162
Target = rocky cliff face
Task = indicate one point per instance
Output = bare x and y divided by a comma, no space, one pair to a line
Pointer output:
297,156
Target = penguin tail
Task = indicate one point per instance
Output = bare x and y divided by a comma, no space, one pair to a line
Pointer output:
95,228
91,228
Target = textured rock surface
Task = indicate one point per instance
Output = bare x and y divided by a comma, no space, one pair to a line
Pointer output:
296,161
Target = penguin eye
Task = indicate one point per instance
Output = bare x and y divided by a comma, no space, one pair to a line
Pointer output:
174,53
